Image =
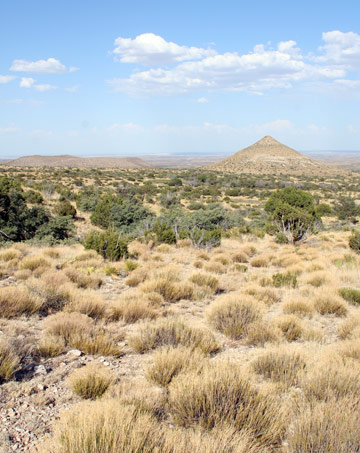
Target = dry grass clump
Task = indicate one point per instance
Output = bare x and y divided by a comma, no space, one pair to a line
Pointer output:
261,260
87,303
349,349
172,332
52,253
240,257
280,365
132,308
328,303
223,394
266,295
137,249
203,256
10,254
331,426
350,328
232,315
259,333
215,267
319,278
167,285
299,306
78,331
105,426
206,281
351,295
54,287
22,275
18,300
91,381
86,256
290,327
168,362
9,360
34,262
248,249
332,380
83,280
51,346
136,277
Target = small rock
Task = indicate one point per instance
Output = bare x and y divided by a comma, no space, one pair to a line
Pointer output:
40,370
75,353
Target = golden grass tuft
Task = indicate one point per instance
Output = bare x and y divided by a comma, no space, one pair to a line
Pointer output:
232,314
331,426
206,281
131,308
34,262
240,257
166,285
266,295
83,280
222,393
51,346
91,381
172,332
68,326
10,254
137,276
259,333
168,362
137,249
87,303
19,300
215,267
299,306
329,303
290,326
260,261
280,365
9,360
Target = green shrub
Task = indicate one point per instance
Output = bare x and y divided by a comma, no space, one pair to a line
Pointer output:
33,197
354,241
109,244
287,279
65,209
351,295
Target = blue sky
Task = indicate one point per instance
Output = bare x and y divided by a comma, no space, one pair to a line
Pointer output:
123,78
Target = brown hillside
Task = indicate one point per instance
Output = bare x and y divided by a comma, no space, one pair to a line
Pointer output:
268,156
79,162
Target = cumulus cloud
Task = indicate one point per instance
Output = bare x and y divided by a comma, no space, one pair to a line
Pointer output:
49,66
263,68
341,49
27,82
202,100
152,50
6,79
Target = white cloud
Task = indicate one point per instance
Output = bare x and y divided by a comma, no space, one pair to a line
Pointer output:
153,50
72,89
254,72
341,49
49,66
6,79
26,82
45,87
9,129
202,100
130,127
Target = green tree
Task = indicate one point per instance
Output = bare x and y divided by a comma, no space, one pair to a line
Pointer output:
346,209
292,213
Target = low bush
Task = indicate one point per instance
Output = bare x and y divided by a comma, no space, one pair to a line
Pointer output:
110,245
207,281
287,279
351,295
91,381
19,300
290,326
232,315
172,332
9,360
354,241
327,303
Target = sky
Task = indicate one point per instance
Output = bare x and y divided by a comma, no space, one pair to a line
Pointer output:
106,78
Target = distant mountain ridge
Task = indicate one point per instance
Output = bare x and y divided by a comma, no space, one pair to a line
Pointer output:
268,156
77,162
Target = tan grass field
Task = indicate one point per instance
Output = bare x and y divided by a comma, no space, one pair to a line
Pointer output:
180,350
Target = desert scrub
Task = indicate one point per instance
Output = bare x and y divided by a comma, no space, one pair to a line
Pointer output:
287,279
91,381
19,300
168,362
34,262
222,393
105,426
167,286
351,295
299,306
87,303
328,303
331,426
232,315
259,333
51,346
9,360
290,327
354,241
132,308
280,365
261,261
206,281
266,295
83,280
172,332
130,265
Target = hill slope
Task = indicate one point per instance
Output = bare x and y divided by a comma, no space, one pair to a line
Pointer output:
79,162
268,156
